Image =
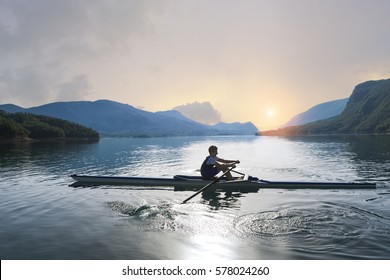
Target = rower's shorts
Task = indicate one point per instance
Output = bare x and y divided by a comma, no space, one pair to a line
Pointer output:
209,173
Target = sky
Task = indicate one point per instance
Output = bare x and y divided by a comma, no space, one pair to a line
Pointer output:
262,61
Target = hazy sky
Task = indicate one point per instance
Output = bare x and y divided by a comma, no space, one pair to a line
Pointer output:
260,61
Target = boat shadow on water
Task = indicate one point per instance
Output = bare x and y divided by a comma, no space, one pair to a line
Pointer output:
209,192
81,185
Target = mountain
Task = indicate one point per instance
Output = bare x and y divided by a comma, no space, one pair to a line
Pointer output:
111,118
368,109
319,112
367,112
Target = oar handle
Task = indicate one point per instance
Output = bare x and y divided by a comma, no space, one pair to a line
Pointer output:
208,185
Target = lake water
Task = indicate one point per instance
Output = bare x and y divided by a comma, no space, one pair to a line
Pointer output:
43,217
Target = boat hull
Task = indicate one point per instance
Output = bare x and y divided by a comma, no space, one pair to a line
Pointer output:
181,182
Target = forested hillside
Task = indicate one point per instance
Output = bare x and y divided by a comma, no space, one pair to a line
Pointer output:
26,125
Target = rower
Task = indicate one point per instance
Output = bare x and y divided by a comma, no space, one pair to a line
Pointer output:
212,165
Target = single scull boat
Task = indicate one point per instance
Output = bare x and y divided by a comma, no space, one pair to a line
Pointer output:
242,184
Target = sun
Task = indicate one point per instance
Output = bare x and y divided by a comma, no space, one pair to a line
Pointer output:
270,113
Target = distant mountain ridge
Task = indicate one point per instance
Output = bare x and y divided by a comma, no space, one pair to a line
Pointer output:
367,112
11,108
319,112
116,119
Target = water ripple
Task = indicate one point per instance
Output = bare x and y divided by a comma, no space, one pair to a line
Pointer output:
333,228
326,221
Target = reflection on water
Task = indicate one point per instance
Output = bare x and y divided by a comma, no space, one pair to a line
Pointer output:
43,218
219,200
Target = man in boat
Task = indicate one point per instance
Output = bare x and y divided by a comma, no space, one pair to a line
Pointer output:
211,166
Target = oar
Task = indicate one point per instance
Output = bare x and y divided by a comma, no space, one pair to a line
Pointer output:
209,184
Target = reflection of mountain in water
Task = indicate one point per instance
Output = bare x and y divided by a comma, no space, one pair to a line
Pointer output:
369,154
375,148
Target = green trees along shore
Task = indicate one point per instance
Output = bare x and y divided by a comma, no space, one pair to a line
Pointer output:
30,126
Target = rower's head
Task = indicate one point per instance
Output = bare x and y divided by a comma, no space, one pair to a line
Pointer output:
213,150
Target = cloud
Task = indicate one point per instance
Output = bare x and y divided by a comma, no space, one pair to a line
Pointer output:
201,112
76,89
28,83
48,47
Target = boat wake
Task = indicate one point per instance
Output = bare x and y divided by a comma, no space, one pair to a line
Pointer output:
150,217
143,211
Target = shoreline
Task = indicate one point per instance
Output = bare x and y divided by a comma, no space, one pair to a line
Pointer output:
21,140
281,134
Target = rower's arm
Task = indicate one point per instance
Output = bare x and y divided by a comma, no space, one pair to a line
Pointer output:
228,161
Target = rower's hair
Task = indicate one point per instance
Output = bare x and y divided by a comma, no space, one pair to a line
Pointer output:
212,149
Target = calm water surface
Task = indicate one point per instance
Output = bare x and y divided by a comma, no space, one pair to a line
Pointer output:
43,217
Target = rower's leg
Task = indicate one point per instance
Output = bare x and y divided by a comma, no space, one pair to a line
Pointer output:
224,168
